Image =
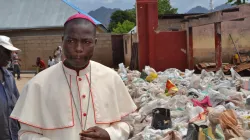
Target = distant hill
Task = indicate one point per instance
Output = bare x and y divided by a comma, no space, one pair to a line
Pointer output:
103,15
223,6
200,9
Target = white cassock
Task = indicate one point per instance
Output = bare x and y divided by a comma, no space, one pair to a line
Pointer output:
47,110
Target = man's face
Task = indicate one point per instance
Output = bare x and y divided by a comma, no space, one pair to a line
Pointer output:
78,44
5,56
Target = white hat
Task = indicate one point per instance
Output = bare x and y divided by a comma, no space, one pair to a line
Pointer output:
6,43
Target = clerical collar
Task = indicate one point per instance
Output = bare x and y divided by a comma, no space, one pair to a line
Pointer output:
72,72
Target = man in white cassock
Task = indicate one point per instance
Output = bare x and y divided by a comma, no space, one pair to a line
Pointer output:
77,98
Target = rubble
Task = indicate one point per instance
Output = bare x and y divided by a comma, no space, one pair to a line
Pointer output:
194,99
240,63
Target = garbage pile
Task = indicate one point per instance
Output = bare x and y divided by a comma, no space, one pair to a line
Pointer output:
175,105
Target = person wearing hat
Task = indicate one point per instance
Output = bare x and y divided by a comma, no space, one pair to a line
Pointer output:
8,92
77,98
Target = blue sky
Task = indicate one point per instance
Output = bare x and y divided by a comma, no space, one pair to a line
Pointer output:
182,5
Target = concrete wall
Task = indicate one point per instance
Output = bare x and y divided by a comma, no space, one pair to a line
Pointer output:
204,43
128,47
169,24
43,46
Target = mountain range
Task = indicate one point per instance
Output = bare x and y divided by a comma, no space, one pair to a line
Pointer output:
103,14
200,9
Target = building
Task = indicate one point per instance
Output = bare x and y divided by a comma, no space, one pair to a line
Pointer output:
166,23
36,27
206,38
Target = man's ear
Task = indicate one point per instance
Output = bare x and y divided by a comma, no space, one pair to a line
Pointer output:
95,40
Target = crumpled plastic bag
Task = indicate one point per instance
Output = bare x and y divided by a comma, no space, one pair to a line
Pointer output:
206,79
220,74
226,91
193,112
205,74
229,124
223,84
234,74
151,77
195,82
133,75
237,99
176,102
245,85
172,135
147,108
151,134
122,68
195,94
149,70
216,98
204,103
122,72
214,114
188,73
172,74
171,89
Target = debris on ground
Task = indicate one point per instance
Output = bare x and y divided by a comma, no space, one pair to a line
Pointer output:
240,64
175,105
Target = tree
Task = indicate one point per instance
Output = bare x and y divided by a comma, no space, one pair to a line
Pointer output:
164,7
236,2
120,16
125,27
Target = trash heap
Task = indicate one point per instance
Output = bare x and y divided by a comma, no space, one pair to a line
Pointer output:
206,106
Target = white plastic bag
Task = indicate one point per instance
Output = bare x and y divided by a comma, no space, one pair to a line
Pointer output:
234,74
122,68
149,70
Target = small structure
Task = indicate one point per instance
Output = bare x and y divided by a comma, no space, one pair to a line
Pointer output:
158,48
239,15
175,48
166,23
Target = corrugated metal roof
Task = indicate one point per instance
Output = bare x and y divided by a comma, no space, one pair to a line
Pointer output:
134,30
81,11
28,14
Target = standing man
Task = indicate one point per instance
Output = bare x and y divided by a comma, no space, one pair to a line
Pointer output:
16,65
51,61
8,92
58,54
77,98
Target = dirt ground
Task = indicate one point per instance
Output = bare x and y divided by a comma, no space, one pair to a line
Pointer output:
24,79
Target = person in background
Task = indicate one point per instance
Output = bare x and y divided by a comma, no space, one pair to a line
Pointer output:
58,54
40,65
77,99
8,92
16,65
51,61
